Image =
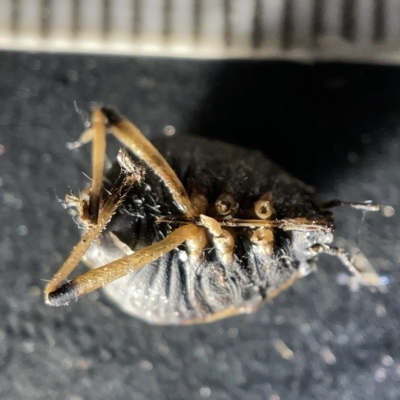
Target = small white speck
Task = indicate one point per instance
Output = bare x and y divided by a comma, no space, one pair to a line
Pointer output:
24,92
221,356
87,382
283,349
74,397
1,182
274,397
83,363
327,335
205,392
342,339
305,269
169,130
233,332
146,365
327,356
73,145
35,291
380,375
305,328
387,361
90,63
46,158
22,230
200,352
388,211
94,296
380,310
318,374
279,319
72,75
163,349
105,355
36,64
11,200
353,157
383,280
183,256
146,82
2,149
342,279
28,346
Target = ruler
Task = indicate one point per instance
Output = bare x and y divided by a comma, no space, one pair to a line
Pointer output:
308,30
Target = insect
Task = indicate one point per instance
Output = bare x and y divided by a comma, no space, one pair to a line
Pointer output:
187,230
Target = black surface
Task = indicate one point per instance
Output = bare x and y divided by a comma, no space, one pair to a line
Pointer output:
334,126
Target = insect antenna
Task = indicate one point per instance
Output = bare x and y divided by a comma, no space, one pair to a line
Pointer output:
365,205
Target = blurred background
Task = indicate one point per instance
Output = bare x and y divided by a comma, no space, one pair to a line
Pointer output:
313,84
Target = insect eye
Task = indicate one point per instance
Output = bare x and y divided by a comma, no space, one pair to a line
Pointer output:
225,204
264,207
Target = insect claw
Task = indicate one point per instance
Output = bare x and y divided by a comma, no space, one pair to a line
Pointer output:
62,296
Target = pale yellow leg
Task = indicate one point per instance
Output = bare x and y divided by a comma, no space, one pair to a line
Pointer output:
98,157
96,278
110,206
128,134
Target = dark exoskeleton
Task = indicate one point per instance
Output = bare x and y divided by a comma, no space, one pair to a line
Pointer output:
189,230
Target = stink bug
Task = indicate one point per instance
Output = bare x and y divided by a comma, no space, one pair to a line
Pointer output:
187,230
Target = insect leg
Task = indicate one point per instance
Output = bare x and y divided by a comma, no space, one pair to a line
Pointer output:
128,134
222,239
111,204
340,254
222,314
263,238
96,135
96,278
98,157
195,247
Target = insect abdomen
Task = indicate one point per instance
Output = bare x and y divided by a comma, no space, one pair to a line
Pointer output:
171,291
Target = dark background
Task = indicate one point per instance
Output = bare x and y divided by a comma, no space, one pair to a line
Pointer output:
335,126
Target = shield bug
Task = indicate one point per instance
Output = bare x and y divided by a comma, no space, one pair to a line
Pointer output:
187,230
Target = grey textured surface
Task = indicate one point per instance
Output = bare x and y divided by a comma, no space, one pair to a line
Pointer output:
334,126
